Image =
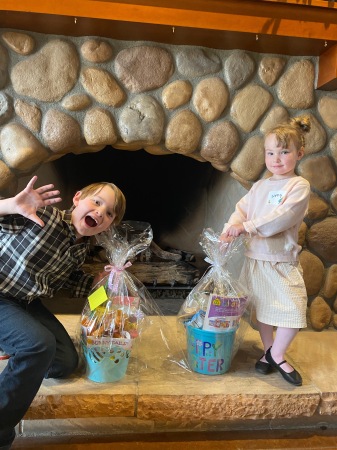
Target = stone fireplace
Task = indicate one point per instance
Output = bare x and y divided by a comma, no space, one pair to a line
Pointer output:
179,128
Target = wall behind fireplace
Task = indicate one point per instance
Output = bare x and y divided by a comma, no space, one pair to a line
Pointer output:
66,96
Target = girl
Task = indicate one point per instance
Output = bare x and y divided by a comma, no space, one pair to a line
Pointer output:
271,213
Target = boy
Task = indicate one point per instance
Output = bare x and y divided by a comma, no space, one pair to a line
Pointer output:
41,251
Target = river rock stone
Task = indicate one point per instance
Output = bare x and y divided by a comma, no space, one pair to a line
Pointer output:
333,199
49,74
102,86
158,150
21,43
330,283
220,144
3,67
275,116
76,102
143,68
320,314
29,113
244,183
195,62
270,69
210,98
318,207
61,132
85,149
196,155
249,105
249,163
296,86
142,120
319,172
239,67
183,133
96,50
99,127
302,234
334,321
20,148
177,94
322,239
6,176
221,167
333,147
327,107
6,108
313,272
315,140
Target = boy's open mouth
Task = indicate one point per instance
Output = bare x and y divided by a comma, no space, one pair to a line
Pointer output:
90,222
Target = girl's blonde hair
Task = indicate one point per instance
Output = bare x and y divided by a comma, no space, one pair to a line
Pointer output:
293,131
120,202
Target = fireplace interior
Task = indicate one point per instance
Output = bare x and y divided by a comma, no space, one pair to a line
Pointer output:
178,196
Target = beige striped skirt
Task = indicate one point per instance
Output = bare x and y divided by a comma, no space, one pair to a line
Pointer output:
277,291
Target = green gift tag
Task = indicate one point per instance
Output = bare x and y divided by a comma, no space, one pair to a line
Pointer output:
97,298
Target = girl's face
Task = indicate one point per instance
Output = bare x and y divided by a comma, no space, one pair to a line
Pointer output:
95,213
281,162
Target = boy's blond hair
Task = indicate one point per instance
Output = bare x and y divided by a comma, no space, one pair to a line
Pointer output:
292,131
120,202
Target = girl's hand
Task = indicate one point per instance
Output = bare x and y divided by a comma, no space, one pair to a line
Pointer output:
226,239
29,200
234,230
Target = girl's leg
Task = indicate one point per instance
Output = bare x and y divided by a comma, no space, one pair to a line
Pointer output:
283,338
266,333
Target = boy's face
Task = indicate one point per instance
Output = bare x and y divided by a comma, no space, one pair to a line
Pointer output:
95,213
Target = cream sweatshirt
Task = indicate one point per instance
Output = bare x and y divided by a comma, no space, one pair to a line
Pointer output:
272,212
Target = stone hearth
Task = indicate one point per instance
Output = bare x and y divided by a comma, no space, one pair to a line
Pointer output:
157,400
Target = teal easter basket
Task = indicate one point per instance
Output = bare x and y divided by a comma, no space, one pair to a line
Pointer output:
209,352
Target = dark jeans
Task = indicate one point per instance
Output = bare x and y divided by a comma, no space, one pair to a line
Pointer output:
39,347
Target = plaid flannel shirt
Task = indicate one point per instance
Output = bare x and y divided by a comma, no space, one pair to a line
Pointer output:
38,261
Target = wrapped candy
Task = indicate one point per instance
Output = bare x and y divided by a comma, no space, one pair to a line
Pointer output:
211,314
119,308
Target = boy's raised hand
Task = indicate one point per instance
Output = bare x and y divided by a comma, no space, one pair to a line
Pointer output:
29,200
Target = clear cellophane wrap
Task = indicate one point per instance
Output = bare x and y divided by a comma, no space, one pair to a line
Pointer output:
129,318
219,300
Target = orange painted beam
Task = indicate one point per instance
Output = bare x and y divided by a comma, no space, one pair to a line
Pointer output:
314,20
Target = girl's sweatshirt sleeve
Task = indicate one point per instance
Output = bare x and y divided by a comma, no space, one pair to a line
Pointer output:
285,216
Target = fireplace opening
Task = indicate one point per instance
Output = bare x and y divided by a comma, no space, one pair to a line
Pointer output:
177,195
169,192
161,190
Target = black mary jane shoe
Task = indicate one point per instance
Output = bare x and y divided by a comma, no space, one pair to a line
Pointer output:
292,377
263,367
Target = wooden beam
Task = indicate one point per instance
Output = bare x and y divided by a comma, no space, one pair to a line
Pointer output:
327,75
264,26
303,20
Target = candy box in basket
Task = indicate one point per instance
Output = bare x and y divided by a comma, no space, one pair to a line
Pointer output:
224,313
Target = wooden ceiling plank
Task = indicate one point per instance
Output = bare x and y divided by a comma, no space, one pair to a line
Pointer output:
270,18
